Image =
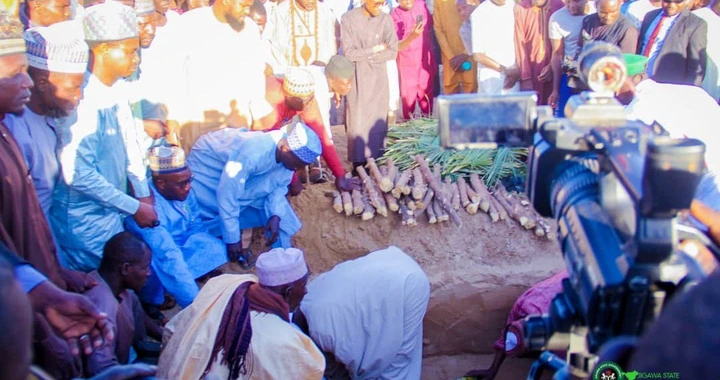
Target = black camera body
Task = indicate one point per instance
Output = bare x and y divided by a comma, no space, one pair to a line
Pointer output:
615,188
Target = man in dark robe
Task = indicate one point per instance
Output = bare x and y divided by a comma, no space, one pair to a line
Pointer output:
370,41
23,227
532,45
609,25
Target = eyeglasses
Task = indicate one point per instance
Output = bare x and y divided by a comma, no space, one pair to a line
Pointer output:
185,183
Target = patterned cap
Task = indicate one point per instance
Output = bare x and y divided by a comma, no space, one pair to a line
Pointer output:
110,21
304,142
144,7
58,48
281,266
299,82
167,159
11,30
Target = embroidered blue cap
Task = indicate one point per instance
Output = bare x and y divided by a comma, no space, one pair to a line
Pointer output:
166,159
304,142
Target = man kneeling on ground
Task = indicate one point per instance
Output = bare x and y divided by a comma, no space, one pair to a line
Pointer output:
238,327
241,181
182,248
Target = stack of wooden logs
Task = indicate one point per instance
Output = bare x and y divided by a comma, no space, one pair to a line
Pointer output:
422,190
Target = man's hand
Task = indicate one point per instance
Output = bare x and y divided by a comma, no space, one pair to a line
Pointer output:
76,281
72,316
417,31
546,74
295,188
155,128
273,230
234,251
512,75
553,99
146,216
127,372
457,61
347,184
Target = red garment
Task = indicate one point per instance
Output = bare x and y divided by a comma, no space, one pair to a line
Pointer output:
532,43
417,63
310,115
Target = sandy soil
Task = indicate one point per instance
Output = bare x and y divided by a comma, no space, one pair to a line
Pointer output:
476,272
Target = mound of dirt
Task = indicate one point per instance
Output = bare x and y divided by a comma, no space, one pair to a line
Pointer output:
476,271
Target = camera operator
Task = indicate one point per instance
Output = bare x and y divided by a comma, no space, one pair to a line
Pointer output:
685,339
682,111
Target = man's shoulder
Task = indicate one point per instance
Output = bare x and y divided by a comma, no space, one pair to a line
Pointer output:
693,19
650,16
101,295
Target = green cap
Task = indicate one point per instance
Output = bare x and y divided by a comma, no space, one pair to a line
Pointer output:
635,64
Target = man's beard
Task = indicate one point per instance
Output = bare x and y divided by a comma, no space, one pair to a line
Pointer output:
236,24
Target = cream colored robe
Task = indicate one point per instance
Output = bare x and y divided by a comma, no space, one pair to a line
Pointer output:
277,350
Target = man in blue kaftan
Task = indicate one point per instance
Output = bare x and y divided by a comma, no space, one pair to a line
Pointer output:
98,150
241,180
182,248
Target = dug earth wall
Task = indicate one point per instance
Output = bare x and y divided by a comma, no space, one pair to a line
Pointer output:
476,271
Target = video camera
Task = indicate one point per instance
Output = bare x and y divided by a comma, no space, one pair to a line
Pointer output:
615,188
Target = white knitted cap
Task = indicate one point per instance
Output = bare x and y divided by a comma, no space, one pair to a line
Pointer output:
281,266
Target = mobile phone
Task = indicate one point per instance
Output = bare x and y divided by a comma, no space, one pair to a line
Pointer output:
419,19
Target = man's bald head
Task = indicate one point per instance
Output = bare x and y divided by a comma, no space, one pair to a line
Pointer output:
608,11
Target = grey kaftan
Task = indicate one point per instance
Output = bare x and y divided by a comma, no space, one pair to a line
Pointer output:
367,102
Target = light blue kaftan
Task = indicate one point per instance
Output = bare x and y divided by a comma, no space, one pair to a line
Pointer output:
182,250
35,135
90,201
239,184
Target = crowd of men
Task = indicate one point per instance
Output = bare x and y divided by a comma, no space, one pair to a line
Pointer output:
142,140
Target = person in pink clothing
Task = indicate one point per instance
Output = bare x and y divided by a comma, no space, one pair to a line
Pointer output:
417,64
